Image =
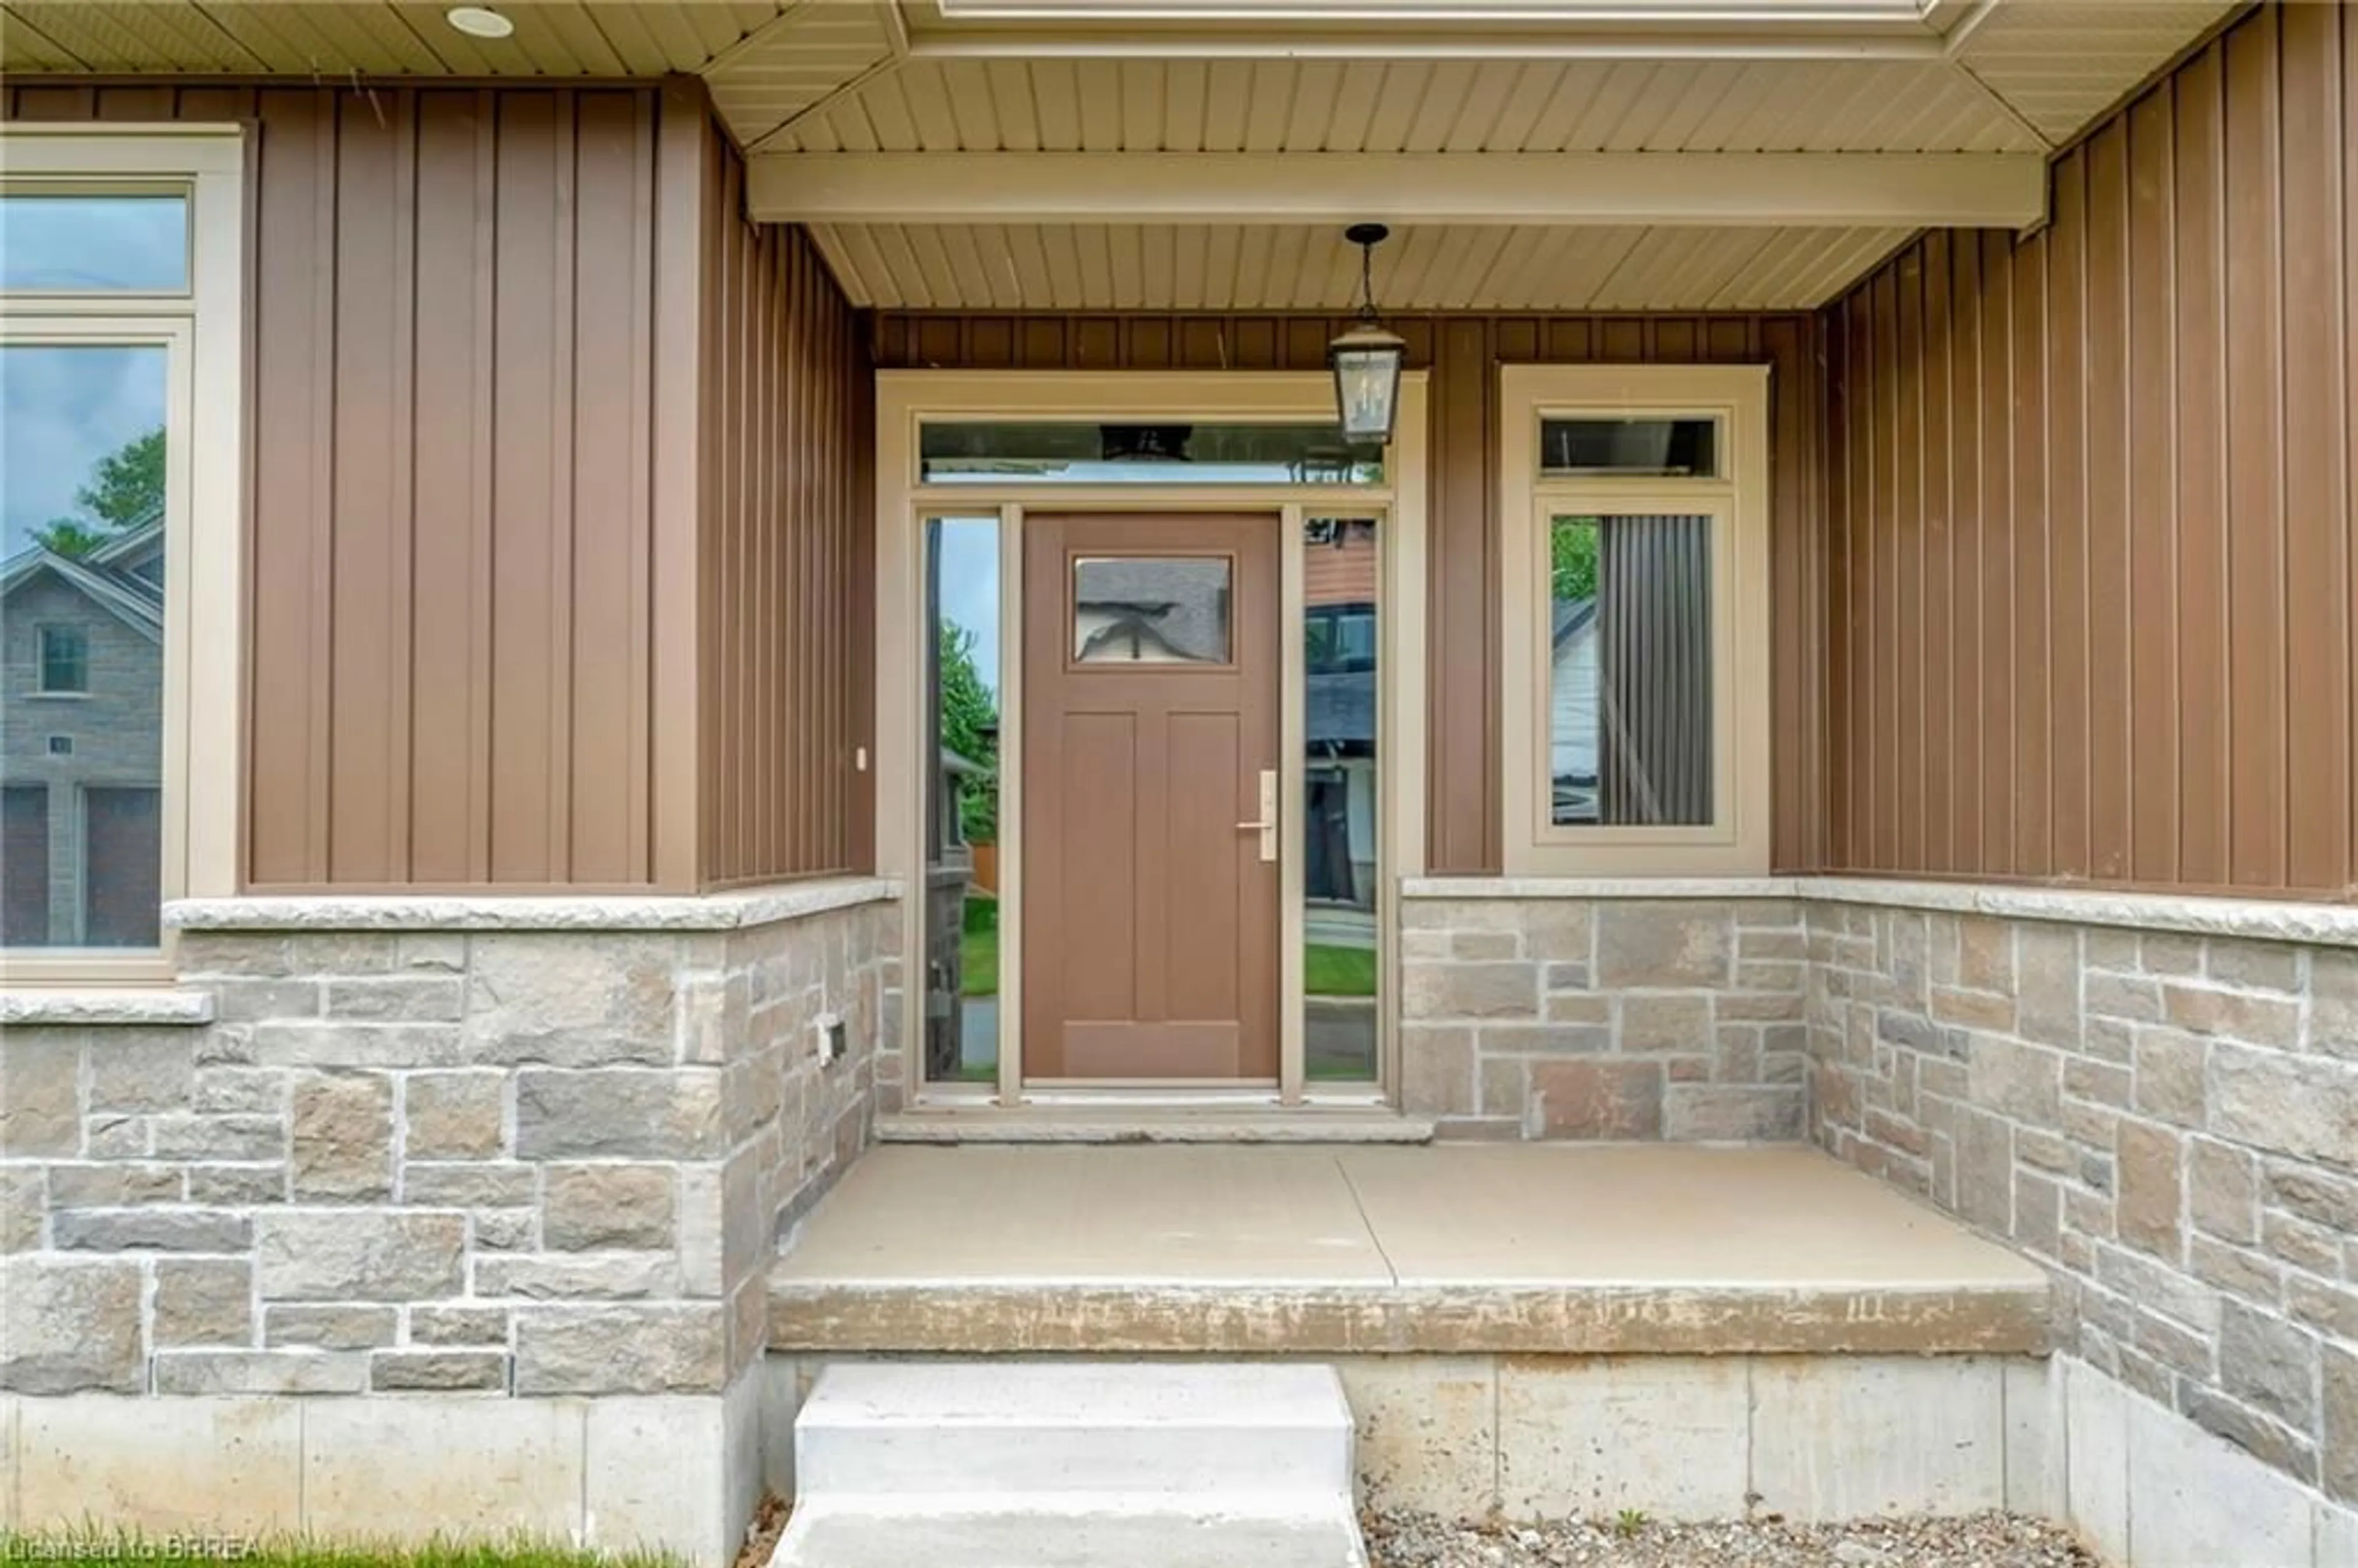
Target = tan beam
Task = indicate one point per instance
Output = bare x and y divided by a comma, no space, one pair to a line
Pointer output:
1717,190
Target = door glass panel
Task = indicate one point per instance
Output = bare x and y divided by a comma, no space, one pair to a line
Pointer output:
1073,451
1652,447
961,897
81,716
1629,675
93,244
1341,866
1150,609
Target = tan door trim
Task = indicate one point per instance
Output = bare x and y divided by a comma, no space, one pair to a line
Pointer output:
902,399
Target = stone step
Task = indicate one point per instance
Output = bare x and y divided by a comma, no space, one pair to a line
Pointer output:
1016,1464
837,1536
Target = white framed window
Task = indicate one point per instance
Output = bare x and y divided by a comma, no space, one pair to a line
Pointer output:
61,656
1635,619
121,401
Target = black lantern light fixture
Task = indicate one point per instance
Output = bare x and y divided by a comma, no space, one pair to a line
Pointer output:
1367,359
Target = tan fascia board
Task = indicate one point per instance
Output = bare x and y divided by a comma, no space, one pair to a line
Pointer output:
1551,13
1894,191
1429,29
1406,44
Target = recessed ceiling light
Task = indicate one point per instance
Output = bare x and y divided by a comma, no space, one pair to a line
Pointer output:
479,21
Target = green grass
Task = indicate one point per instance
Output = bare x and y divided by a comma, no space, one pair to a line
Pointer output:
1326,971
91,1546
1337,971
978,947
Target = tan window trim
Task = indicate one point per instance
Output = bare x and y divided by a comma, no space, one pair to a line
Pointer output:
204,629
1736,843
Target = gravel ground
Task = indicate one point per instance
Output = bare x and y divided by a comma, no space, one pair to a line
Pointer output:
1983,1541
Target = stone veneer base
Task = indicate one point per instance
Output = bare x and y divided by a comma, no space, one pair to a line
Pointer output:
2155,1098
398,1214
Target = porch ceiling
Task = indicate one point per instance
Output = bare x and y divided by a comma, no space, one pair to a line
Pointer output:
803,81
1239,266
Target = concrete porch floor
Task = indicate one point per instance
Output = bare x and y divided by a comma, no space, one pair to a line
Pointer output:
1546,1249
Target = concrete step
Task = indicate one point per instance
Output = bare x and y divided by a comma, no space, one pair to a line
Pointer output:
911,1427
1094,1536
1152,1124
1005,1464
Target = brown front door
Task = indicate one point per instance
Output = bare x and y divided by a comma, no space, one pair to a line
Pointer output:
1150,716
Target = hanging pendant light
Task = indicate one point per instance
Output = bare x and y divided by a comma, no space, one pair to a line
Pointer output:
1367,359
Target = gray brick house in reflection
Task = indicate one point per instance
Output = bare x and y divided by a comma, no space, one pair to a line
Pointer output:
81,716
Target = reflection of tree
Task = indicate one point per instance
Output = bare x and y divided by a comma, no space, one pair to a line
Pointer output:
1572,559
970,728
125,490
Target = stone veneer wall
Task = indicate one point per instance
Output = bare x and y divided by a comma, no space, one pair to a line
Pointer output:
506,1161
2168,1122
1527,1014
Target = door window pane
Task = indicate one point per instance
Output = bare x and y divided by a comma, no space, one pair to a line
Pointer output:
82,508
1150,609
961,894
970,451
1635,448
94,245
1341,864
1629,693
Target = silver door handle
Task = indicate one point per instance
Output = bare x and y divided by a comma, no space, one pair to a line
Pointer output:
1266,826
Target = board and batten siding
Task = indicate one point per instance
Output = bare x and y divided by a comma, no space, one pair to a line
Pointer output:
788,551
1463,351
538,599
2093,558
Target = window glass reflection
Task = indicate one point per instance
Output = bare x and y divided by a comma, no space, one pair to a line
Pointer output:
973,451
1341,866
961,899
94,244
1150,609
1630,714
1649,448
82,625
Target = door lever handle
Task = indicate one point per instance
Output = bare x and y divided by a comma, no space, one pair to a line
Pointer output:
1266,825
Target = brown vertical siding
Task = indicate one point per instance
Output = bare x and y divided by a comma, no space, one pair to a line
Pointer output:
2092,557
558,509
450,321
787,524
1464,354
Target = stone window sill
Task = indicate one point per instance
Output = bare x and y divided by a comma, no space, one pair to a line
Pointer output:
80,1007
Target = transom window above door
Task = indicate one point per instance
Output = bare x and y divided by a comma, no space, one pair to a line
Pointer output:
1076,451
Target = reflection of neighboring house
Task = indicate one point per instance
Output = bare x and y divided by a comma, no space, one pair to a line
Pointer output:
1147,611
1339,721
80,743
949,831
949,869
1572,703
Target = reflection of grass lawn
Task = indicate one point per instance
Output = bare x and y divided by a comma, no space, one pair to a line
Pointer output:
1337,971
1325,970
979,947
